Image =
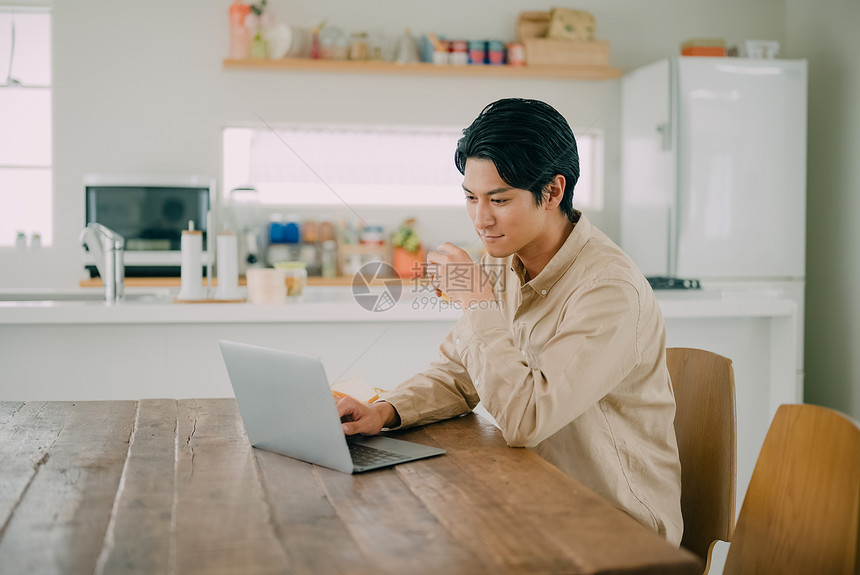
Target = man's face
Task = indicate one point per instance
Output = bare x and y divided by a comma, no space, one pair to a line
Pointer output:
506,219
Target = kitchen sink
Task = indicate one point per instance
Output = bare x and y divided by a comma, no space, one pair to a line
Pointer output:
95,295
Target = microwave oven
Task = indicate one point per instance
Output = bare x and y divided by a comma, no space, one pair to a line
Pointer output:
150,212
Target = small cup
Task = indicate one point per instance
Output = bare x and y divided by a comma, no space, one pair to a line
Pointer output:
266,285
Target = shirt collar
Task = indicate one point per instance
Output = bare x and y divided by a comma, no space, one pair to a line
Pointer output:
560,262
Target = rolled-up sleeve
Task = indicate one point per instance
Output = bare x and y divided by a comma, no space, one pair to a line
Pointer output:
442,391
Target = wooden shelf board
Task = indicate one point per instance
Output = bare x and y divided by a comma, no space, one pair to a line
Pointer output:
425,69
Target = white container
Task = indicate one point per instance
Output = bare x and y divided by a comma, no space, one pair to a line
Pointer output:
228,267
441,58
192,266
458,58
266,286
761,49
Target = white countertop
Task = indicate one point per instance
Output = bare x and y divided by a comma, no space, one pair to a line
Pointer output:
336,304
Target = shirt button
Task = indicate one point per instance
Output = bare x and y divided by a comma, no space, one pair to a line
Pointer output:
457,341
543,292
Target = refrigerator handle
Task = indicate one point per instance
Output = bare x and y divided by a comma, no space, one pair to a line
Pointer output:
665,136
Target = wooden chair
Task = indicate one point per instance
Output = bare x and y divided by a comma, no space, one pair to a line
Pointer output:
801,513
705,425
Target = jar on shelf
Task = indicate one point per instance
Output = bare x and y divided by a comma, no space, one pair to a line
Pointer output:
459,53
477,51
296,277
333,44
442,56
359,49
516,54
259,47
372,236
496,52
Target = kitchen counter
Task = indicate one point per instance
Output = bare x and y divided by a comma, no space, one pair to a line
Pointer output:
335,304
317,304
164,486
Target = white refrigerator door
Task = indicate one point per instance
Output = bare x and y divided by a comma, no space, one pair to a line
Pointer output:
647,168
741,168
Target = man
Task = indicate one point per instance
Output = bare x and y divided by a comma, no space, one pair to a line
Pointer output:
567,349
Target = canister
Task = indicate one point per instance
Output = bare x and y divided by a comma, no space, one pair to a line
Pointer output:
477,51
516,55
459,52
496,52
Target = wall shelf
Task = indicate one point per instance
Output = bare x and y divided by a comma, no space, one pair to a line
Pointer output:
425,69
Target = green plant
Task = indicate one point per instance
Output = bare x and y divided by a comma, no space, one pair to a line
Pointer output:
259,7
406,237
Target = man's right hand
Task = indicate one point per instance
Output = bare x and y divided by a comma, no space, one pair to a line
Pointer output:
357,417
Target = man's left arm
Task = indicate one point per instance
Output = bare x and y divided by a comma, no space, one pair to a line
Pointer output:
595,347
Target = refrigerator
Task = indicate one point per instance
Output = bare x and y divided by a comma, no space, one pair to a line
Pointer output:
713,180
713,188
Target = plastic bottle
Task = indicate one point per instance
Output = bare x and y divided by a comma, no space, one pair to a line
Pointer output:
292,231
329,259
293,237
315,44
240,37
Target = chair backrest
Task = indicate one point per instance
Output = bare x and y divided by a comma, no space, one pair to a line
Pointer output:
705,425
801,513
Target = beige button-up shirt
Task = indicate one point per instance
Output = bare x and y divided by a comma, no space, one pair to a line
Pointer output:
572,365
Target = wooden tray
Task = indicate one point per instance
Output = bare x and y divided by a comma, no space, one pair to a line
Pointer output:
175,300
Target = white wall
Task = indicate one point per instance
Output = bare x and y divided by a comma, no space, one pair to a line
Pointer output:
138,87
825,32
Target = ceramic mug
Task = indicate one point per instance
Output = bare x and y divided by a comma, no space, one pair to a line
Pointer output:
266,285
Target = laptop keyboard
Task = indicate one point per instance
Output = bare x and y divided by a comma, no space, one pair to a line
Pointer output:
363,456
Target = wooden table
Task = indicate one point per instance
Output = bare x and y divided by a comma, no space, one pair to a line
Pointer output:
166,486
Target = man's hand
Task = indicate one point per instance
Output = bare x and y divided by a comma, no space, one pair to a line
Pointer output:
455,274
358,417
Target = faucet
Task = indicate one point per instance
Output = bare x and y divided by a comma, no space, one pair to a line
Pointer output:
107,247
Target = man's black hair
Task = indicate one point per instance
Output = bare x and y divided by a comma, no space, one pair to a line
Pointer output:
529,142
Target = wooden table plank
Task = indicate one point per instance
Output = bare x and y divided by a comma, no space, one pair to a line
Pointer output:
27,432
138,536
574,522
59,525
310,530
391,524
474,511
8,409
223,523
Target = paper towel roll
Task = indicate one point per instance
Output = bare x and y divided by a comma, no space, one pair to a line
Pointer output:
192,266
228,267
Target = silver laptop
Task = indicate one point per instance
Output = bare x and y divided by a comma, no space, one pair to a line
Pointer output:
287,406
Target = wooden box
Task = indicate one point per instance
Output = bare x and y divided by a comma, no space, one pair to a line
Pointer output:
540,51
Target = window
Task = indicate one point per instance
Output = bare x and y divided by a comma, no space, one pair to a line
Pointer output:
367,165
25,124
